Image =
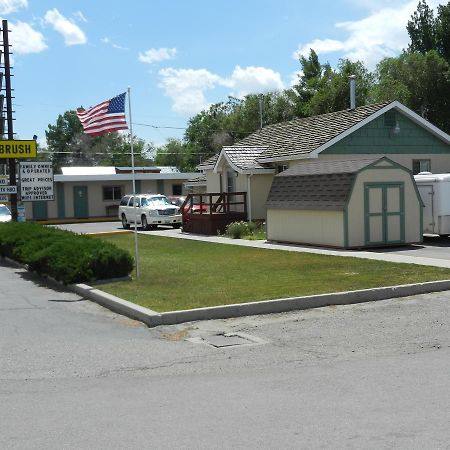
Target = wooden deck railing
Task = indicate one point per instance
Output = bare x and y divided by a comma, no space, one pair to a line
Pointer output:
211,212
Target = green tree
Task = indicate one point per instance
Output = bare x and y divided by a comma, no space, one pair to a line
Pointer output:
428,32
173,153
309,80
419,81
443,31
69,146
332,89
60,136
422,29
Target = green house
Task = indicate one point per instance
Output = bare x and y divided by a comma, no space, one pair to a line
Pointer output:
374,131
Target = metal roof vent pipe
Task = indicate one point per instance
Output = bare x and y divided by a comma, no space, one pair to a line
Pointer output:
352,79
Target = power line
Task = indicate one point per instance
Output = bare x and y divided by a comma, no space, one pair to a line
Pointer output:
185,128
159,126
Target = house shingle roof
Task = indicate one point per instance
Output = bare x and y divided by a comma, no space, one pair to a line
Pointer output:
196,181
245,158
317,185
303,135
208,162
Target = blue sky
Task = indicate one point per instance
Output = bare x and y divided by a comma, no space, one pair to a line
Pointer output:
179,56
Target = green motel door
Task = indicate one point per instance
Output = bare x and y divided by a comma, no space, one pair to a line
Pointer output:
384,211
80,202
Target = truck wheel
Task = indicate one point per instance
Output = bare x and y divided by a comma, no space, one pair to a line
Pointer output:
144,222
125,224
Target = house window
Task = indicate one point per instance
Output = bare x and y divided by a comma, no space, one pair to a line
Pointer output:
112,192
282,168
176,189
421,165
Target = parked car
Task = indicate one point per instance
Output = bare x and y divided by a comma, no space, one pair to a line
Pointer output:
5,213
197,207
151,210
176,200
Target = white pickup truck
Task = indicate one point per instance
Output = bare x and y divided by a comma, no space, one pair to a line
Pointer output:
148,210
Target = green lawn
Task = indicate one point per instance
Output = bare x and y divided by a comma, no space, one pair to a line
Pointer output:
180,274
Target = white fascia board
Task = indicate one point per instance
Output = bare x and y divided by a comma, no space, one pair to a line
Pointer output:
351,130
195,183
203,167
127,177
423,122
216,166
400,107
223,155
395,104
245,171
287,158
257,171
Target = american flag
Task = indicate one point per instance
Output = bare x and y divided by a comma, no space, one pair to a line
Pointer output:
105,117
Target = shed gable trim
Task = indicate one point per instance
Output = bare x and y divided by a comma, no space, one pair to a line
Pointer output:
386,163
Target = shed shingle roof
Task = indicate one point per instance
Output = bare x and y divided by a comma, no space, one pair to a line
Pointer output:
327,167
317,185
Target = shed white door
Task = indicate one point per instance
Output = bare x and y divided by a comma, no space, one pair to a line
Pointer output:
384,213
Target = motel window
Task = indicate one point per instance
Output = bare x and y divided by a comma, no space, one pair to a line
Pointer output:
112,192
421,165
176,189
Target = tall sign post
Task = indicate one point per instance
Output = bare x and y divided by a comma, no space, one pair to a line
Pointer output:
9,115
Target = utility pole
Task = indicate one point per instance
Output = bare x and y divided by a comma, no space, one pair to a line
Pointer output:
260,111
9,115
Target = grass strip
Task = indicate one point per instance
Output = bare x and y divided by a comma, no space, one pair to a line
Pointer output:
178,274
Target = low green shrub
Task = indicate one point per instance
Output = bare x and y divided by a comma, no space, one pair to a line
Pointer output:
237,230
247,230
63,255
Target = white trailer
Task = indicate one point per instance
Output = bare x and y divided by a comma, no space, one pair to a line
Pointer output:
434,189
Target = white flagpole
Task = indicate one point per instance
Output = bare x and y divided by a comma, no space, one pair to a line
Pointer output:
134,186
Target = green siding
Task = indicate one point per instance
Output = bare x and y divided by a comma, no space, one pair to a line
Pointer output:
138,187
377,138
60,200
40,210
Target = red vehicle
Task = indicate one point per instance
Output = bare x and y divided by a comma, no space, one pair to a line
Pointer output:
197,207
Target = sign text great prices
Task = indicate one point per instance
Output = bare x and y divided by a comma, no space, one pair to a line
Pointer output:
36,181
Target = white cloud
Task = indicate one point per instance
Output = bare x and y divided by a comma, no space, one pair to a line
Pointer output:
252,79
107,40
10,6
381,34
80,16
26,40
157,54
72,34
186,87
294,78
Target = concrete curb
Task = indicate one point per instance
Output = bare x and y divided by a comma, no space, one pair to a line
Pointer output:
118,305
153,318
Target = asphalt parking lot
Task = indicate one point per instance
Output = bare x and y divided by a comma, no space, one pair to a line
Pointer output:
74,375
